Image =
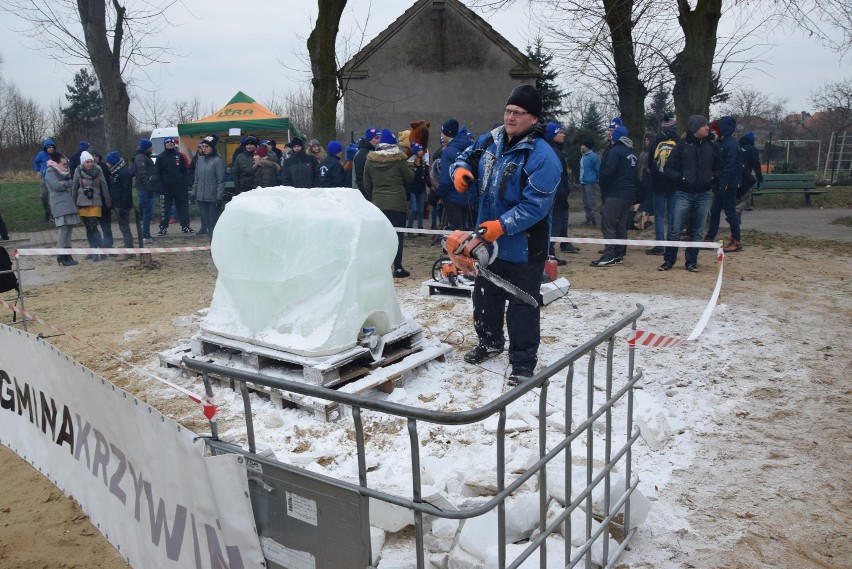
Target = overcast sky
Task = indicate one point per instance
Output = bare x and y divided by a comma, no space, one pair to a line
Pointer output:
223,47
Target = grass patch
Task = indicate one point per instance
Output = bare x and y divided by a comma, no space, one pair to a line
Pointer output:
20,204
847,221
785,243
834,197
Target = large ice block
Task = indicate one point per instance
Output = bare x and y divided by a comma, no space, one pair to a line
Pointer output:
303,270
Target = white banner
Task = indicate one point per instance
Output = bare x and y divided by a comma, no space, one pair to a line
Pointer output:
140,476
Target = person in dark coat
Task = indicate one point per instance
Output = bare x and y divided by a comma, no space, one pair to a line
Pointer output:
693,165
172,170
300,170
416,190
752,173
146,189
460,209
266,168
331,172
74,159
555,136
349,165
618,193
727,186
243,167
120,184
662,189
365,145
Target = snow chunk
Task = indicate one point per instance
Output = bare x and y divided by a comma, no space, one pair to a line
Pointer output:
650,415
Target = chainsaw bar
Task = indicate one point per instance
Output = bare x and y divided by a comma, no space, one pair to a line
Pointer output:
507,286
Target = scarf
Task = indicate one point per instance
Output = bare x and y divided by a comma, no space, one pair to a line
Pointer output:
89,178
60,169
114,170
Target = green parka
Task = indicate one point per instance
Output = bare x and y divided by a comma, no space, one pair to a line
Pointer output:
386,174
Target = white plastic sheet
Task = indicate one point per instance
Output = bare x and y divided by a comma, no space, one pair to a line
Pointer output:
303,270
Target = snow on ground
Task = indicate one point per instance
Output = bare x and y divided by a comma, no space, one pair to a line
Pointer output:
683,391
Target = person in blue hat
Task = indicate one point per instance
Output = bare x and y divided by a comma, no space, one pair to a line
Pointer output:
372,136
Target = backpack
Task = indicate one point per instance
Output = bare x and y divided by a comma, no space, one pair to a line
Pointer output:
662,153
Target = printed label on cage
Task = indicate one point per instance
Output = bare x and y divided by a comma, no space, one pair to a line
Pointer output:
286,557
302,508
254,466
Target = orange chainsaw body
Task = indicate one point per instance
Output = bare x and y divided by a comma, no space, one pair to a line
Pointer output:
467,251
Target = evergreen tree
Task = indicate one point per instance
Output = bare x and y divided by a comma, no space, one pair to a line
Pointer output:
717,90
592,120
551,94
85,112
661,105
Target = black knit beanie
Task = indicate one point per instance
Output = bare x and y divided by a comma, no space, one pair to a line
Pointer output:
528,98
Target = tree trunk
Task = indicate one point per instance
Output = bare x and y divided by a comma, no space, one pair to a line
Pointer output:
631,90
693,66
106,60
321,50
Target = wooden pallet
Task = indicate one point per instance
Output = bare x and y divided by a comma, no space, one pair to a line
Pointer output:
354,372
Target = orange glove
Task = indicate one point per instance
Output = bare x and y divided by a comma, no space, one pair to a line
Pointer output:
462,179
493,230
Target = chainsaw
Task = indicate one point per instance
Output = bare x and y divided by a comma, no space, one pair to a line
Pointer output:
471,254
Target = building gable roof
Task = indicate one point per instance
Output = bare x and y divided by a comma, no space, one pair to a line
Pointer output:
525,67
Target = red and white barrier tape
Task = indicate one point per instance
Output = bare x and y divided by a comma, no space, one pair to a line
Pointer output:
208,407
643,338
110,251
590,240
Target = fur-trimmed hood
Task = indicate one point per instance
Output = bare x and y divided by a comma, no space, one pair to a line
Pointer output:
387,154
268,163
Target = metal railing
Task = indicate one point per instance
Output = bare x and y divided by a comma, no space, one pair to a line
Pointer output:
574,430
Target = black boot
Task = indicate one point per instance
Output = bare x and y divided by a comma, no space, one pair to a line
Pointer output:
69,261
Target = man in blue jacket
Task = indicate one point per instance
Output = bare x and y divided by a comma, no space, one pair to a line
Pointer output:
618,192
728,184
590,166
459,208
48,149
515,174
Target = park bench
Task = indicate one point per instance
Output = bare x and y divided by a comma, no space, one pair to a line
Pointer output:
789,184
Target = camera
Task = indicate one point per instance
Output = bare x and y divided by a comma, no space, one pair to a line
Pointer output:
89,192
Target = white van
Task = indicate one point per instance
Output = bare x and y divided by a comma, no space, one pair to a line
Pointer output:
160,134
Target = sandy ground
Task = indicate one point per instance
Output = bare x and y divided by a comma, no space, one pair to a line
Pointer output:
775,472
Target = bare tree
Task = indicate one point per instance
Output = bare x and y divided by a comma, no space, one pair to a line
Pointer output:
754,109
325,79
152,110
108,36
185,111
25,123
835,100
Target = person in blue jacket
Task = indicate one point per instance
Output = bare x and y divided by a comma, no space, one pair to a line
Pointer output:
726,187
48,149
515,173
590,166
618,192
460,209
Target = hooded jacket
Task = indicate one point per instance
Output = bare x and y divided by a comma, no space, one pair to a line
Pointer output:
300,170
618,171
144,167
731,175
590,166
694,162
243,168
331,173
751,162
516,184
386,174
40,160
172,169
209,183
449,155
266,172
